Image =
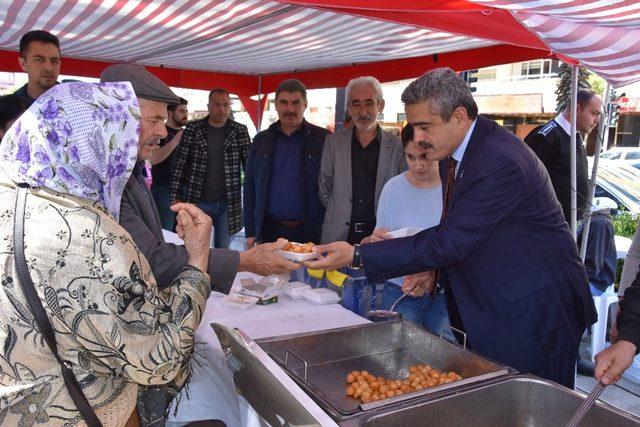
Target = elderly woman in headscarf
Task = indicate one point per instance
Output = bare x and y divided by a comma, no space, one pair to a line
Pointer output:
75,148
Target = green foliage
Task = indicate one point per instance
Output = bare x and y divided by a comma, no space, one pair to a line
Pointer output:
597,84
625,224
563,91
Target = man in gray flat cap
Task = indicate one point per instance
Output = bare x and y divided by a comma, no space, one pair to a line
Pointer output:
138,213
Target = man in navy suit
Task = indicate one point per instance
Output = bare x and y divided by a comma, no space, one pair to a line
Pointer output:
503,249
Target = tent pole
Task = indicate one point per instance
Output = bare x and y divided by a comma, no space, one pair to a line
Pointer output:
603,134
259,124
572,151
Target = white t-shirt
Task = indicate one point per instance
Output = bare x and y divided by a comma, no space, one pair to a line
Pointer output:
403,205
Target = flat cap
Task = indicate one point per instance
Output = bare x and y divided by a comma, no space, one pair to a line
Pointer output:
145,84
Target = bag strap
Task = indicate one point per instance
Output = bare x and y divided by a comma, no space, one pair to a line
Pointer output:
39,314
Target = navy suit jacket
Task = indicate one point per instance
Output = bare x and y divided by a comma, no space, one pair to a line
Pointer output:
506,252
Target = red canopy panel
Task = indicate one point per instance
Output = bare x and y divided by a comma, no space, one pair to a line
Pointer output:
247,85
408,68
602,35
239,84
455,17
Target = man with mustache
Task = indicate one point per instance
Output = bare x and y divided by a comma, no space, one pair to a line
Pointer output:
40,59
513,278
139,214
356,163
163,160
551,142
281,179
208,163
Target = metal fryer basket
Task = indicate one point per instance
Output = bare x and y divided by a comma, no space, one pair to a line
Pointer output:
320,361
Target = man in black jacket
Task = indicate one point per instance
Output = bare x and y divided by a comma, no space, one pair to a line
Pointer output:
281,178
551,143
40,58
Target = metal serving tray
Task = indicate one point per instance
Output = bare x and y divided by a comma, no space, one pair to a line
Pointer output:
269,390
511,402
320,361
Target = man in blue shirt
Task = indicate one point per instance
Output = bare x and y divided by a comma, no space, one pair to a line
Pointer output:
281,177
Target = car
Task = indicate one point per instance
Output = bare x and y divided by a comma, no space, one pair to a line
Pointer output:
619,182
622,153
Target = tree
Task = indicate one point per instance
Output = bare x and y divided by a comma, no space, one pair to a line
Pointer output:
563,91
597,84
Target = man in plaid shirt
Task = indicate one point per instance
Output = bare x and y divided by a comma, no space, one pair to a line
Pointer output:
207,167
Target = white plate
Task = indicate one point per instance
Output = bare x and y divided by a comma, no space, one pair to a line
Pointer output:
404,232
298,257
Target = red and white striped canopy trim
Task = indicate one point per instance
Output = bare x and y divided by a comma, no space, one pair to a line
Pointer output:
604,35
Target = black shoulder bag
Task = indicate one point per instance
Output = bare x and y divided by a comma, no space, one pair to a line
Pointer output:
39,314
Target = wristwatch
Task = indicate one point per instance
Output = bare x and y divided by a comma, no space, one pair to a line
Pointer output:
357,257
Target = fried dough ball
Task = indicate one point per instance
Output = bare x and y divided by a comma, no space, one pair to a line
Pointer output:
299,248
368,388
351,390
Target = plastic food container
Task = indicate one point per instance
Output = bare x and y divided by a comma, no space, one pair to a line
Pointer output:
299,256
295,290
321,296
239,301
404,232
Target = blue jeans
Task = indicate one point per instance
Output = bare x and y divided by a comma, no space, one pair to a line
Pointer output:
430,315
162,197
219,213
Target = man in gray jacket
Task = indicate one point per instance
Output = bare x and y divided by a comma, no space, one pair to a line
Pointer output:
138,212
356,163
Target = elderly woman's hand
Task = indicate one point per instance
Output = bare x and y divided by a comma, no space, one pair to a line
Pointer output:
194,227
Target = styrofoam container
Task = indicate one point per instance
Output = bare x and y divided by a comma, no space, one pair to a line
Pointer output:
295,290
404,232
321,296
298,257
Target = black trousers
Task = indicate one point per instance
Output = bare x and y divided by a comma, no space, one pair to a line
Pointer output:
272,231
560,368
363,229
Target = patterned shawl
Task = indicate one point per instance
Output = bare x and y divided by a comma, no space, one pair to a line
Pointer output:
79,139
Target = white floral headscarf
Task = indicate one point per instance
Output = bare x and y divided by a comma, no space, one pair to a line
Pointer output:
79,139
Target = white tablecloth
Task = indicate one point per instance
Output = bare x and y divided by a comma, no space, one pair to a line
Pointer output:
210,394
